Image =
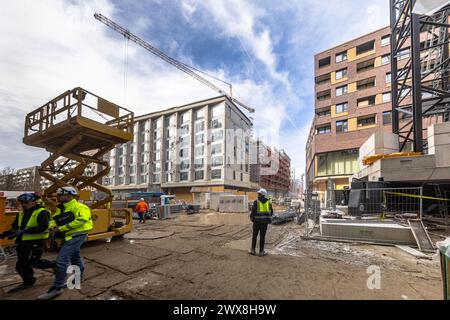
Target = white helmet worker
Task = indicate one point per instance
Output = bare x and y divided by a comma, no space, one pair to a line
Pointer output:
67,190
142,199
263,192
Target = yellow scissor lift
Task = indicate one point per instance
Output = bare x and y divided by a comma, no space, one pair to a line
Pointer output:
78,128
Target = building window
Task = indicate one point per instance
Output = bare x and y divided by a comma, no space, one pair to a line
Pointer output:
324,62
323,112
342,126
365,47
200,114
184,129
367,101
324,95
199,163
365,65
387,118
342,56
337,163
184,165
386,59
403,54
388,77
341,74
216,123
217,161
200,126
216,149
184,153
185,117
132,179
341,91
342,107
144,178
216,174
324,129
217,136
199,151
157,178
184,176
366,83
386,97
132,169
185,141
200,138
366,121
326,78
199,175
386,40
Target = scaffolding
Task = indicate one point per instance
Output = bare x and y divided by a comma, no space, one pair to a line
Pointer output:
425,74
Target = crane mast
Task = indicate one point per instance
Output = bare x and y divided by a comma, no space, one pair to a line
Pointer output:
181,66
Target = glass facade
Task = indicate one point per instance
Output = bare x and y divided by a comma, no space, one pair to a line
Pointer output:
337,163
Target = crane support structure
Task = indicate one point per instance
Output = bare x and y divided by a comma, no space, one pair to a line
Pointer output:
181,66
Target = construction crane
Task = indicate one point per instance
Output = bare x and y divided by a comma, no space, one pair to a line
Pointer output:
181,66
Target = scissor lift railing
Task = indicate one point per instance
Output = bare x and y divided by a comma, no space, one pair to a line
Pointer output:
79,127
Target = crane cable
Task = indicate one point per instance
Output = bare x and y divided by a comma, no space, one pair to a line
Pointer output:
125,71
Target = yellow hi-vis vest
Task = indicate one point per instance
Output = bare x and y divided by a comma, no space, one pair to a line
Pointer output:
82,222
263,211
31,224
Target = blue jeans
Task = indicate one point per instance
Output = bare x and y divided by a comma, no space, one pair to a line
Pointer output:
67,256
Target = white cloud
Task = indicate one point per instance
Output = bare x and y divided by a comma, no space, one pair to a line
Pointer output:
50,46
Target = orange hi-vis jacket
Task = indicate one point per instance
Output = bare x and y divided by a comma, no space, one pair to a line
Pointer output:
141,207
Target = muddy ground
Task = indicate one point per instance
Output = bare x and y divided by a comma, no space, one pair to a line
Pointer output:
205,256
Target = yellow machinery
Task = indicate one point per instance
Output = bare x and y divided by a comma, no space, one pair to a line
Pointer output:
6,219
369,160
78,128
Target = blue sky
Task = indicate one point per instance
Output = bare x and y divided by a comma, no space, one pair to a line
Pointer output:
265,48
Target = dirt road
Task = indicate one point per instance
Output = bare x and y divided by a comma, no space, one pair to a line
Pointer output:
205,256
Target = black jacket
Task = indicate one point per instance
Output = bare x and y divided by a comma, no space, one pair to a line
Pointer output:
43,220
254,213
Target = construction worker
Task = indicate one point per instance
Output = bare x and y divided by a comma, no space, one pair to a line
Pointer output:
261,214
29,229
74,221
141,209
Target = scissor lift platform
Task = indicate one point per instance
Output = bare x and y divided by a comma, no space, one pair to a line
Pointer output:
78,128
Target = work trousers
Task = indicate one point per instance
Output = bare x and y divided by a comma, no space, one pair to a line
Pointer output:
260,228
70,254
29,253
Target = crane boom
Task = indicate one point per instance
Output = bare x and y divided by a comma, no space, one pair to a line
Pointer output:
165,57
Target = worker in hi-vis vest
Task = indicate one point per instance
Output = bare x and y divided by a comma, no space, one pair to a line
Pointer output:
74,221
29,229
261,216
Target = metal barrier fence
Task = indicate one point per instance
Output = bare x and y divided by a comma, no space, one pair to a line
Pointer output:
382,201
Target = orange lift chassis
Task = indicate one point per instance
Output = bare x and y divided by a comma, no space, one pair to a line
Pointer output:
78,128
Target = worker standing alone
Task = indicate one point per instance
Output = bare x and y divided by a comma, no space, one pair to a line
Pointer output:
141,209
29,229
261,214
74,221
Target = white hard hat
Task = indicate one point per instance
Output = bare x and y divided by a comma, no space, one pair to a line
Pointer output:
263,192
67,190
142,199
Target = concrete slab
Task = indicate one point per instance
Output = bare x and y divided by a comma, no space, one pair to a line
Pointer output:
383,232
141,250
123,262
145,234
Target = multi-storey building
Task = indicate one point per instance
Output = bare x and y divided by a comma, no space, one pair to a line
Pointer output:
272,170
188,151
352,101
